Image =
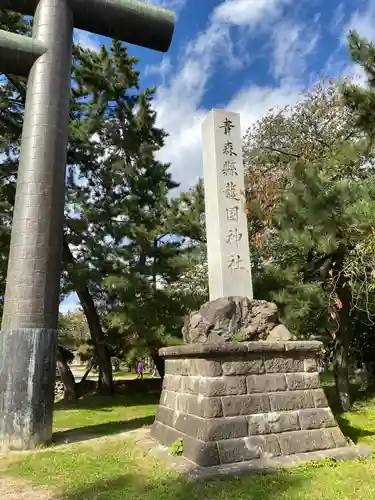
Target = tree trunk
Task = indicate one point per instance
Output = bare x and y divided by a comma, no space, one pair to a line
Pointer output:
85,375
93,321
104,360
344,336
159,363
100,381
341,367
67,377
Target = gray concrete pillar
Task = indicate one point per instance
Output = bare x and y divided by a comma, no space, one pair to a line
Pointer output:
28,335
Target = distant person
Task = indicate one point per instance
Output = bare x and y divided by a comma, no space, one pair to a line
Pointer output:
140,370
154,372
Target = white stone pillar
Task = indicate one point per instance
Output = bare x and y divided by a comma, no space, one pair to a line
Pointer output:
228,252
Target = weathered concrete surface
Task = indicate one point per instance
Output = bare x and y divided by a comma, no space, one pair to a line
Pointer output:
32,294
234,403
27,382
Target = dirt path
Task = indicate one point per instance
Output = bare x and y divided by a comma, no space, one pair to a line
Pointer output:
15,489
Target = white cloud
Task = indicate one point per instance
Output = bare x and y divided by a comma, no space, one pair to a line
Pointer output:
254,102
88,40
352,70
293,42
162,69
175,5
248,12
338,19
179,104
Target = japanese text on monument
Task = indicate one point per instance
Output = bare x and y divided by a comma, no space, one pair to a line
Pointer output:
232,195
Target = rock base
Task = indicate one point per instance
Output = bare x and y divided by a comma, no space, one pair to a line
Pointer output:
233,403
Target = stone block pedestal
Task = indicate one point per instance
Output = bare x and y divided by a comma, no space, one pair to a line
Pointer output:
235,402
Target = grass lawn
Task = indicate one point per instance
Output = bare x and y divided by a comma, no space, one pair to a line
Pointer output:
114,468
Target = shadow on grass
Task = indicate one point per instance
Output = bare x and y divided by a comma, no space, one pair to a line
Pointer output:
129,486
359,395
105,429
127,393
352,432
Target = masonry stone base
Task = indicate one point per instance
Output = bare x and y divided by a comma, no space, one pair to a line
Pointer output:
236,402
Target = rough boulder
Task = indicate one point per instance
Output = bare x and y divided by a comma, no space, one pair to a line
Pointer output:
234,319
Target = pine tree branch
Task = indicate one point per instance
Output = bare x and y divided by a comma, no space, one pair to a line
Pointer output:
159,238
308,272
350,135
17,85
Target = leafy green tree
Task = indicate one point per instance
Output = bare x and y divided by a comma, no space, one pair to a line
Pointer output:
73,330
147,305
314,129
310,200
127,243
192,284
318,227
360,100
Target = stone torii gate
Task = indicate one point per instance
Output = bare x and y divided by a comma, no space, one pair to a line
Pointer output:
29,324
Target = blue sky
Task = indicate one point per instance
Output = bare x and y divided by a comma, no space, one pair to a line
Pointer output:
243,55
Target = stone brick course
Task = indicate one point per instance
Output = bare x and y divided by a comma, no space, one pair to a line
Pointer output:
241,402
266,383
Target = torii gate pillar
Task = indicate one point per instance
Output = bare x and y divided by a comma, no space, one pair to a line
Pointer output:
29,324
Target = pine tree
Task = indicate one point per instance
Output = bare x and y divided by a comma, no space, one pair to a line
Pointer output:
318,228
147,304
128,249
361,99
119,220
311,199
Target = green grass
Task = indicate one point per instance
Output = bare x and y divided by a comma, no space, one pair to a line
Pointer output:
95,416
117,469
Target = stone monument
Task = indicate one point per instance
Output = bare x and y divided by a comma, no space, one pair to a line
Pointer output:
28,333
240,391
228,256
